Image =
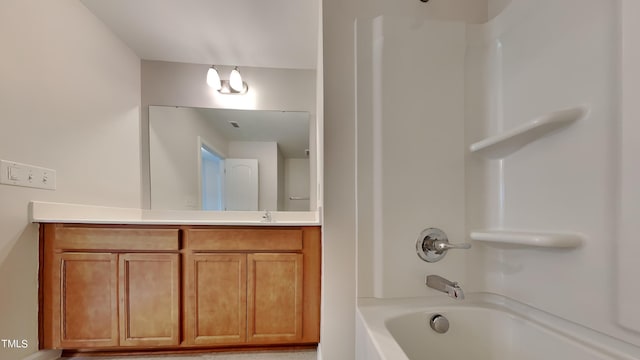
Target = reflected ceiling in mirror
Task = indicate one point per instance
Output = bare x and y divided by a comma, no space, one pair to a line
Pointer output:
202,159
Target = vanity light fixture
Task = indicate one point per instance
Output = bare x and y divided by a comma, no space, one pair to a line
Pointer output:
235,80
235,84
213,78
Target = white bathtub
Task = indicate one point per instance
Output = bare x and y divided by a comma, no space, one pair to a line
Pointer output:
482,327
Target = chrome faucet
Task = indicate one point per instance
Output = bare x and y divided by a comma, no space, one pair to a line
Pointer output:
441,284
266,218
433,244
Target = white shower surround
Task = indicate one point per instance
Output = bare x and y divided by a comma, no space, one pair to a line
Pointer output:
542,56
410,150
532,59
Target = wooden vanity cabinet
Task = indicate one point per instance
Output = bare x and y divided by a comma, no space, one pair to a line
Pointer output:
215,299
149,308
252,286
274,299
119,287
86,299
107,287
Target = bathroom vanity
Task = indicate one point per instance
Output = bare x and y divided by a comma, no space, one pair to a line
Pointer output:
176,287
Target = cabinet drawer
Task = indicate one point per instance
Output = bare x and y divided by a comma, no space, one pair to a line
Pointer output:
244,239
116,239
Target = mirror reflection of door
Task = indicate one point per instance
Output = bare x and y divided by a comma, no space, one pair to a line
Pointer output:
212,179
241,184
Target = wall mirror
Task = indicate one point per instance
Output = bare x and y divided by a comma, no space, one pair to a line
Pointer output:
177,41
224,159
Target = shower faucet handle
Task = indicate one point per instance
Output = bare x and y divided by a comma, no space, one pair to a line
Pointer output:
442,245
433,244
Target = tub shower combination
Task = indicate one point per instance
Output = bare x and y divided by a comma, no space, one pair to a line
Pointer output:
508,135
481,327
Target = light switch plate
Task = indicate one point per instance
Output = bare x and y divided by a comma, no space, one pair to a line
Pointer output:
14,173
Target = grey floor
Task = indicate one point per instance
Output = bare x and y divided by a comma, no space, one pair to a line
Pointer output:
281,355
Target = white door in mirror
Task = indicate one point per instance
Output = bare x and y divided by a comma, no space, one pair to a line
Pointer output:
14,173
241,184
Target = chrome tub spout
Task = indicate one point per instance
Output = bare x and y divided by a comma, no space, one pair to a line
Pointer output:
449,287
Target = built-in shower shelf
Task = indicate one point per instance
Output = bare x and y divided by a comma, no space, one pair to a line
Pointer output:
503,144
533,239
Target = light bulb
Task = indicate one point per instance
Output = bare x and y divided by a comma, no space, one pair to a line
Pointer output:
235,80
213,78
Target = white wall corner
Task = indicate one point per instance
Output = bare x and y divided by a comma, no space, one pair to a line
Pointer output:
45,355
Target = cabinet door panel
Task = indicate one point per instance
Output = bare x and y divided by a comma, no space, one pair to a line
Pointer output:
149,300
216,299
274,297
88,300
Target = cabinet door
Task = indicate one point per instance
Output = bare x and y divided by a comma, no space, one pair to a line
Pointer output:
88,305
149,299
274,306
215,299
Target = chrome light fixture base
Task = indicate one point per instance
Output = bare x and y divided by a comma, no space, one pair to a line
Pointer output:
225,88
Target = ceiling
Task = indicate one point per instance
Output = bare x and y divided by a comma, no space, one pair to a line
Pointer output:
256,33
290,129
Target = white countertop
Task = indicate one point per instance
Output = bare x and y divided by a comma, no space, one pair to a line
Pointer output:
49,212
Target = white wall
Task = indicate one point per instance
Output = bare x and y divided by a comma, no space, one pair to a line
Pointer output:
266,152
542,57
70,101
296,184
495,7
178,84
339,245
281,181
